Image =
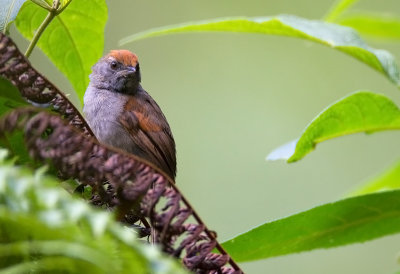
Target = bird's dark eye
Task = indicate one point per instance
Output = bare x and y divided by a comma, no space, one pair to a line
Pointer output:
114,65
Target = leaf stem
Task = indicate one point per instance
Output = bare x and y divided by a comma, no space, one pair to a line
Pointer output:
42,4
50,16
65,5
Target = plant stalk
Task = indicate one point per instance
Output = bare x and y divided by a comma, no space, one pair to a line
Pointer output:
50,16
42,3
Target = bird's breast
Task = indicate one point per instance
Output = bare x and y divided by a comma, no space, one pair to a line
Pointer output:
102,110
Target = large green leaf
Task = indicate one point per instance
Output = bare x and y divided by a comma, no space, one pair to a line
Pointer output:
381,26
43,228
8,11
339,7
339,37
388,180
362,111
354,220
74,40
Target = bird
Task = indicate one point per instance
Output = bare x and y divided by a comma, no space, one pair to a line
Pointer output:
122,114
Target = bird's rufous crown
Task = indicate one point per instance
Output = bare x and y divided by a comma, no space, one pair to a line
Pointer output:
125,57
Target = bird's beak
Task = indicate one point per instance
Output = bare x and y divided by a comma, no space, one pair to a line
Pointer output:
131,69
128,72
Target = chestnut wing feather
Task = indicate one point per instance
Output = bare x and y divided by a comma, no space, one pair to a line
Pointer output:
150,132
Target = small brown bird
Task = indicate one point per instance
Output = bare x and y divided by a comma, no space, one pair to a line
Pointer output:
122,114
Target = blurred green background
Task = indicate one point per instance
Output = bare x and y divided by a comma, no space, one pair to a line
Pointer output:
232,98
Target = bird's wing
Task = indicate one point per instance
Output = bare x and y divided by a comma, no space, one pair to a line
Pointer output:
150,132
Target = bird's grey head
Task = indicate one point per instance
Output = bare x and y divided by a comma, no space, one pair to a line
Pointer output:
118,71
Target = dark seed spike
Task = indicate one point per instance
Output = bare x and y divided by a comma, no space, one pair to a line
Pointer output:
92,163
32,85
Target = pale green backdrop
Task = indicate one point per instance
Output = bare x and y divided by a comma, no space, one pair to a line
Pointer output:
232,98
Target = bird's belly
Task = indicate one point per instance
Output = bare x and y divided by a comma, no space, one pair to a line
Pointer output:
111,133
103,119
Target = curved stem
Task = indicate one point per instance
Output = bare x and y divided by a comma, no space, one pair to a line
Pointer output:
50,16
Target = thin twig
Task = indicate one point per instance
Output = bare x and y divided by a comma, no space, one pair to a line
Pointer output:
43,4
50,16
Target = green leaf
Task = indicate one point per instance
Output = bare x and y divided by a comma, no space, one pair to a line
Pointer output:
10,97
8,11
16,145
338,8
362,111
45,229
73,41
388,180
379,26
353,220
338,37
